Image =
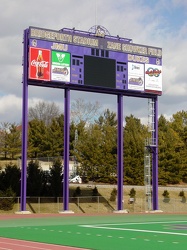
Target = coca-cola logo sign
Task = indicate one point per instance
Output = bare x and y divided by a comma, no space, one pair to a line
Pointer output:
39,64
43,64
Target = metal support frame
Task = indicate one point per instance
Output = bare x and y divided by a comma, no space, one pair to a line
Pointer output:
66,149
147,177
120,153
155,158
120,95
151,156
66,152
75,169
24,125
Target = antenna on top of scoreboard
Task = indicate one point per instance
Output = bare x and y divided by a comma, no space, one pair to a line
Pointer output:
95,12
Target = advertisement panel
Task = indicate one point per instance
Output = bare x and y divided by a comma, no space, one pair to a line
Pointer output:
153,77
39,64
60,66
136,76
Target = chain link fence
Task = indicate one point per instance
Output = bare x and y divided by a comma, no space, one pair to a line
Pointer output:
91,204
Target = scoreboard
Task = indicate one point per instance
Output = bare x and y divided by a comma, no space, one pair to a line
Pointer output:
93,59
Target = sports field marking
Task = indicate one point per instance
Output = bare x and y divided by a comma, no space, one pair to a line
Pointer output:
139,223
106,227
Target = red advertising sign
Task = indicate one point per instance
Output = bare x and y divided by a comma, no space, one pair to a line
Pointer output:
39,64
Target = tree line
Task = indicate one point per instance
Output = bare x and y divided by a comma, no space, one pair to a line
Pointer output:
39,182
95,149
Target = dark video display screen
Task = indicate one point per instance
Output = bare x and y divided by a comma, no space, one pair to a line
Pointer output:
99,72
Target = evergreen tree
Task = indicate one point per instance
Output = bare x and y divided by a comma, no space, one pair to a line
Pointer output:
14,141
134,143
10,178
170,146
108,127
96,148
38,143
88,152
179,125
10,140
56,178
55,139
4,128
34,179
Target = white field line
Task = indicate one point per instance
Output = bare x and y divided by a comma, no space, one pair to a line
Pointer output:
136,223
105,226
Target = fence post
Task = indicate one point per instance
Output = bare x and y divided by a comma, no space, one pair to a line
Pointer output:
78,203
98,204
58,204
39,205
18,204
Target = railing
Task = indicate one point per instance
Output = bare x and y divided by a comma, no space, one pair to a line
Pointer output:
91,204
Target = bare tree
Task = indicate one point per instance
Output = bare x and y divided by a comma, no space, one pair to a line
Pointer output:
44,111
84,111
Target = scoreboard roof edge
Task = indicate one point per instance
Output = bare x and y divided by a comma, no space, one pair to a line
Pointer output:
88,39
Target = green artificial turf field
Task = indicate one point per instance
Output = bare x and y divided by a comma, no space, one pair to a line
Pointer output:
104,232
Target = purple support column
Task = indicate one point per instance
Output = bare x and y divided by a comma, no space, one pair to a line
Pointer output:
155,158
24,125
120,153
66,149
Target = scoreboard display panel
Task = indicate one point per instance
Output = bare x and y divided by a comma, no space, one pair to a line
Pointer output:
99,71
94,60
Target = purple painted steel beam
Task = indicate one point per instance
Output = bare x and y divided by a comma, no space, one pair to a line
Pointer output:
24,125
155,158
120,153
66,149
78,87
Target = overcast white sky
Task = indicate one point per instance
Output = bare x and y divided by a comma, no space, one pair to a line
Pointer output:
161,23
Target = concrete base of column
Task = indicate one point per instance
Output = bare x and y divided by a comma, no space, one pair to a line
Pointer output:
66,212
125,211
23,212
154,211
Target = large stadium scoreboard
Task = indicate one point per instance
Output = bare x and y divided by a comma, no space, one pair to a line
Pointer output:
93,59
